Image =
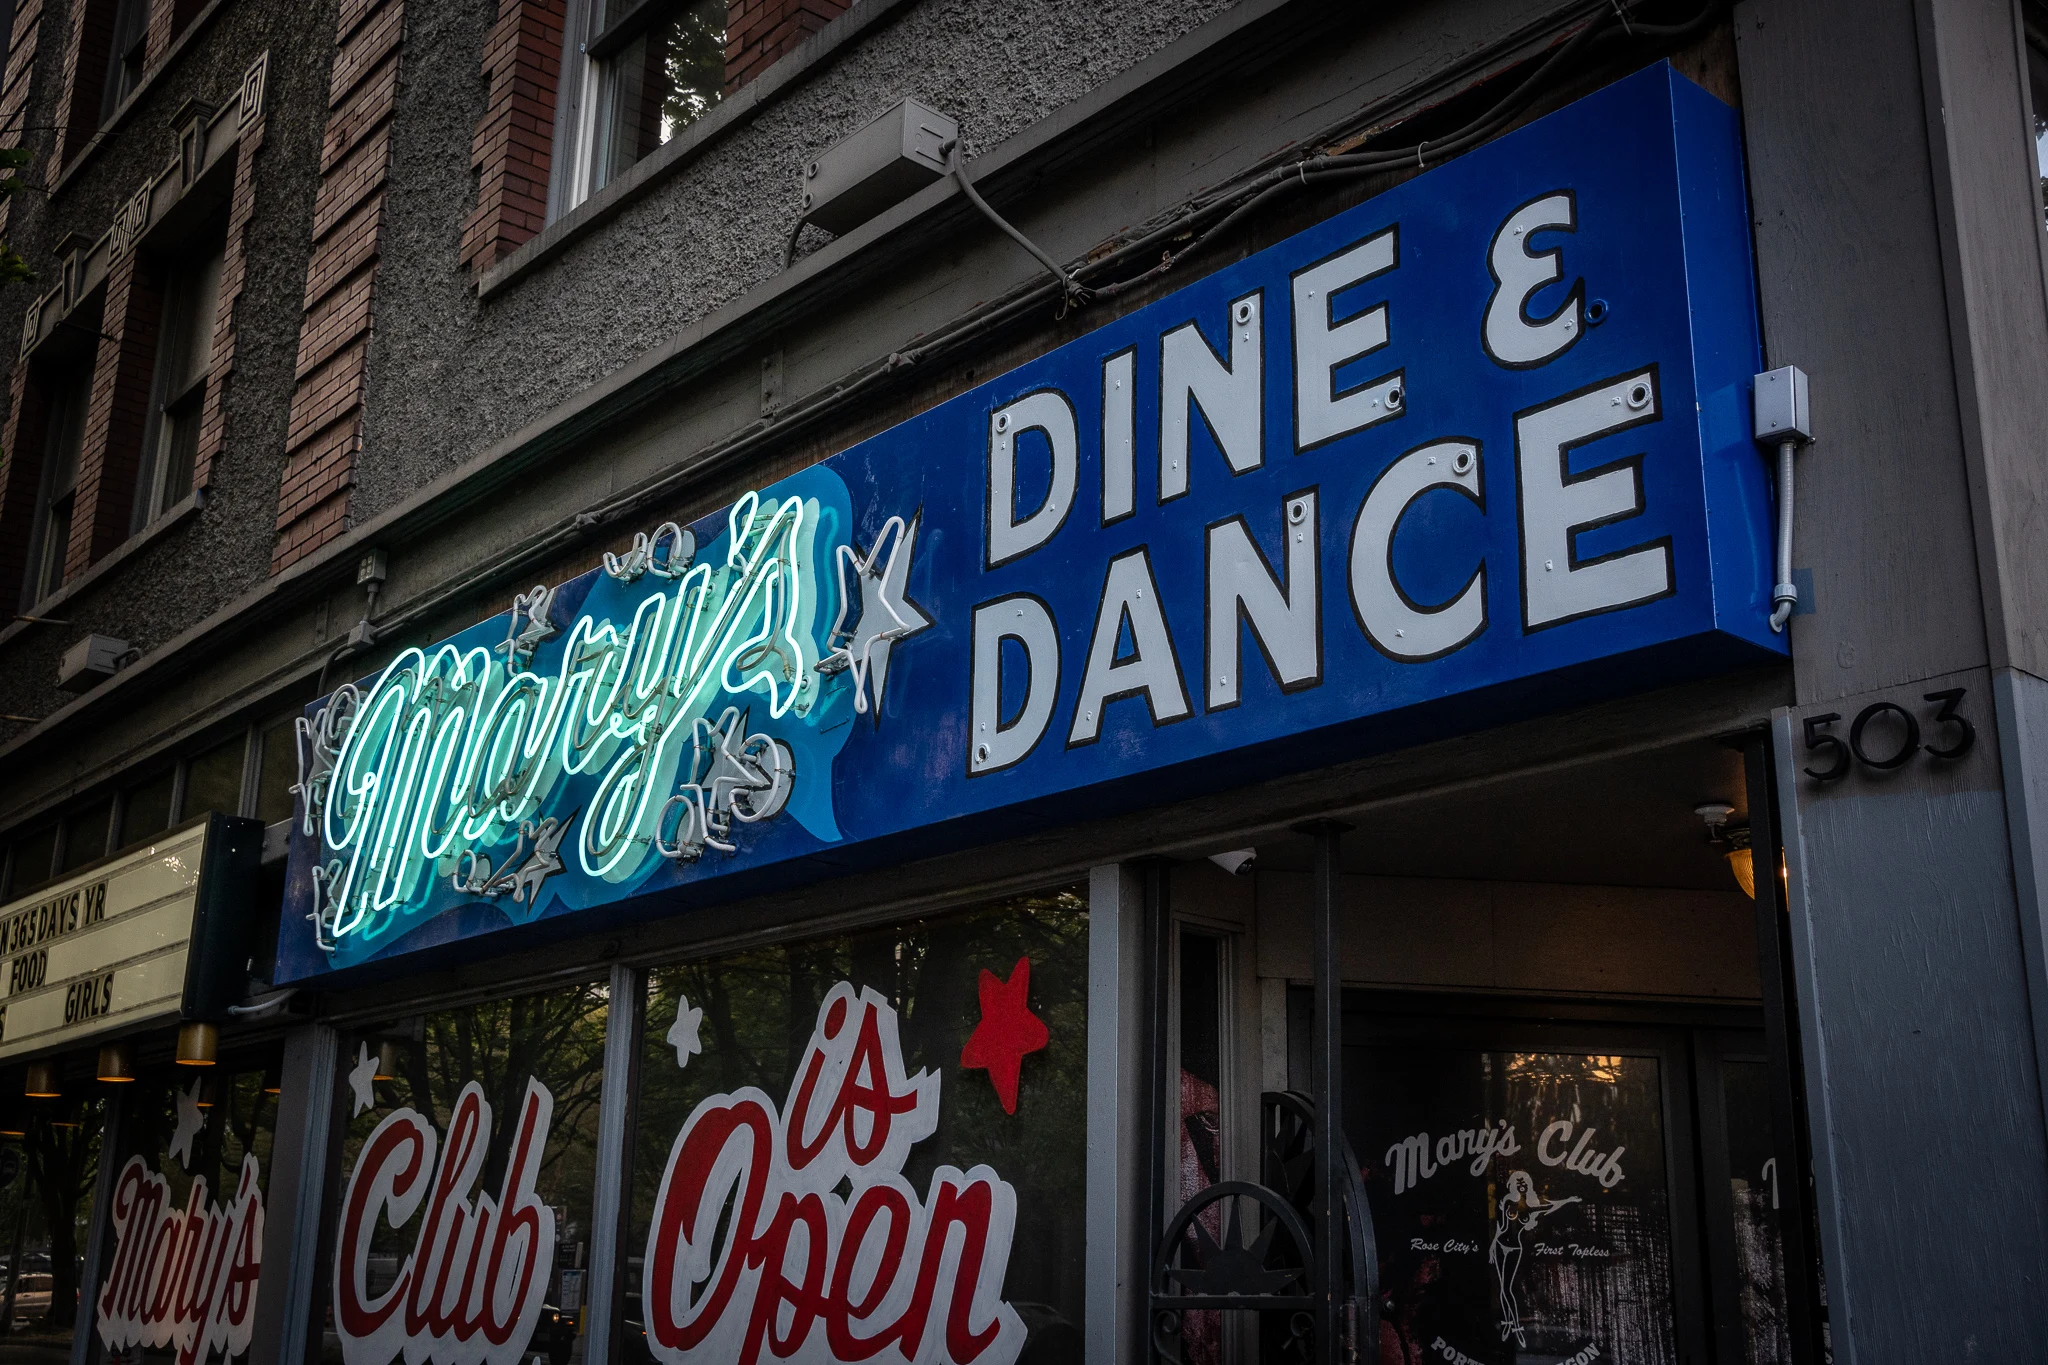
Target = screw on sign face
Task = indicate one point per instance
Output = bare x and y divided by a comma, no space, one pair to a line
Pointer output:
803,1273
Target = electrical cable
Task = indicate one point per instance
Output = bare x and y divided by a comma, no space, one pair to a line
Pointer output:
1785,593
1075,293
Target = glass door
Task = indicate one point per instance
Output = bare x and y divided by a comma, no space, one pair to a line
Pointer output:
1531,1189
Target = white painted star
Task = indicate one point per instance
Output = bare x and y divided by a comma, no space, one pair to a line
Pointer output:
886,612
363,1080
191,1122
682,1034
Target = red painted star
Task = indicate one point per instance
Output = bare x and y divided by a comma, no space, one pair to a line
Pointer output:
1008,1030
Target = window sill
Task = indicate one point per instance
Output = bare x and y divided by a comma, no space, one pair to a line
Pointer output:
176,515
732,114
127,107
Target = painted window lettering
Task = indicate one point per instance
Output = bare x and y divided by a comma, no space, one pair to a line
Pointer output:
182,1279
1512,337
754,1253
468,1239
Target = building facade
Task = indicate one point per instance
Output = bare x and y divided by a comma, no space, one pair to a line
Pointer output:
745,680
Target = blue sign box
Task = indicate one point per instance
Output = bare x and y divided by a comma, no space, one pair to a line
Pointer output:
1472,450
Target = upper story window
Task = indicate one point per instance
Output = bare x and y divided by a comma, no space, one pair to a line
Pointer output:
127,54
50,538
184,358
652,68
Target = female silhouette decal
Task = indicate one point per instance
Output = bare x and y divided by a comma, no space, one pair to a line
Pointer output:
1519,1209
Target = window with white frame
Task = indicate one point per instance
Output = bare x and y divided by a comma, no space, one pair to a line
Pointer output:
127,55
184,358
50,535
649,69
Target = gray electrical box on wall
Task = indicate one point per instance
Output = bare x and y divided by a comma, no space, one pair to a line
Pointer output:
90,662
887,160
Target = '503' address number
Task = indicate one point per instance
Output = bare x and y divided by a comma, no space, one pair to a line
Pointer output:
1947,723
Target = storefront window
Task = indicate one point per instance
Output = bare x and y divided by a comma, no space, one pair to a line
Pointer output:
49,1214
213,780
1521,1203
182,1250
146,807
85,836
1753,1183
463,1221
892,1125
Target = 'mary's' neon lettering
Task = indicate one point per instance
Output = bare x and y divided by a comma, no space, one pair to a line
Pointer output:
454,748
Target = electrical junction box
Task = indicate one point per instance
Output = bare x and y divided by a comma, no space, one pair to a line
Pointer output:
890,158
90,662
1781,406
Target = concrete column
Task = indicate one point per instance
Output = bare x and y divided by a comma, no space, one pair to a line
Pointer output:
1898,246
296,1197
1119,1246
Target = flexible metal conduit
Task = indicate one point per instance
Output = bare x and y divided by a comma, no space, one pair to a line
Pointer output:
1784,596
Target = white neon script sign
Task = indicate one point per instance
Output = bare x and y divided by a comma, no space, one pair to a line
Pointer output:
803,1272
470,1292
182,1278
455,748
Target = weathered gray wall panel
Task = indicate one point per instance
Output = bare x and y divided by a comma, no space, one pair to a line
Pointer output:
1849,271
1989,196
1922,1092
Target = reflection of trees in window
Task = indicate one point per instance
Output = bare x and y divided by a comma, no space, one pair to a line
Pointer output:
760,1007
665,79
240,1114
499,1044
693,64
556,1038
63,1157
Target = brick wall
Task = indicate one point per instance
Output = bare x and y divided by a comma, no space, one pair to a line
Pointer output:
511,152
167,19
14,81
115,415
757,32
233,269
326,428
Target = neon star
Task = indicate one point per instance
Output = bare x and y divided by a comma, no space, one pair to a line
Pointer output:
191,1123
886,612
1007,1031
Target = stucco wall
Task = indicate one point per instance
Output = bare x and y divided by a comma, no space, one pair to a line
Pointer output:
450,375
